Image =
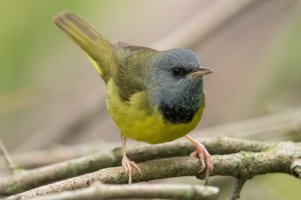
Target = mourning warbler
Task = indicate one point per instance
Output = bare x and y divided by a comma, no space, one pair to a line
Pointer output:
153,96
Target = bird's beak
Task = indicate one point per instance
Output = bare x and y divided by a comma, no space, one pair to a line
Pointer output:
201,71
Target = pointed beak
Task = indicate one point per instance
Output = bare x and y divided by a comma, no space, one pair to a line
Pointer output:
201,71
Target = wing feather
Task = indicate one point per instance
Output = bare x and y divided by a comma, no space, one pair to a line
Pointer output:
130,65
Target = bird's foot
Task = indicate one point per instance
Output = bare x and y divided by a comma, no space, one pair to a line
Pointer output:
127,165
205,159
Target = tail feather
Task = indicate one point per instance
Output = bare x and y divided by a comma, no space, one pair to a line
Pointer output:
98,48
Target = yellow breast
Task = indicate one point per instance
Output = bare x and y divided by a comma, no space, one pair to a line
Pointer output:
137,123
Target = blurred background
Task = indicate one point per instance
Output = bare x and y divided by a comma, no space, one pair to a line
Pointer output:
50,95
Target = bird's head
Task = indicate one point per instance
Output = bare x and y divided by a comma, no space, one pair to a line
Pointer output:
178,65
177,82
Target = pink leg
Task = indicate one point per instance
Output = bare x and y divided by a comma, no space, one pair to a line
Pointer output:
204,156
127,163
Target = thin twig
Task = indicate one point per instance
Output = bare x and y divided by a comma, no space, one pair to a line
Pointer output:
243,165
93,162
145,191
8,160
237,189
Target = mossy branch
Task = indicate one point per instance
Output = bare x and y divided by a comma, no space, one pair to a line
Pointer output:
266,158
33,178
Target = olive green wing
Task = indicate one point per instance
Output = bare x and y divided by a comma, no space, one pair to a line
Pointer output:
97,47
130,66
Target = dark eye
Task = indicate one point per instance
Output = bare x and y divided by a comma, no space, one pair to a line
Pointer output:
178,71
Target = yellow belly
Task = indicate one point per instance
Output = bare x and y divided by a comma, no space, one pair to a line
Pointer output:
136,123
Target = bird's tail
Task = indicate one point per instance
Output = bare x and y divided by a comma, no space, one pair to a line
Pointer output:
98,48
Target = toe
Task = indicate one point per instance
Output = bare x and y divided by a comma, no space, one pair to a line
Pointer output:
206,161
129,171
125,167
204,156
136,166
128,168
209,165
193,154
203,163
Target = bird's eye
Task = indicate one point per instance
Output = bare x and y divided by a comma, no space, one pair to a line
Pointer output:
177,71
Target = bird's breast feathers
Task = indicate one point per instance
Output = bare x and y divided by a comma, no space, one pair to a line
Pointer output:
136,121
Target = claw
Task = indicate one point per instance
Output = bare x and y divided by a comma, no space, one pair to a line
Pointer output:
127,165
193,154
205,158
132,163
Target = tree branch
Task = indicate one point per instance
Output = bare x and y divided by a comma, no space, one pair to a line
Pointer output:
243,165
237,189
32,178
145,191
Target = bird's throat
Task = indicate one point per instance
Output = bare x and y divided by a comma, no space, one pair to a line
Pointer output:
183,110
177,113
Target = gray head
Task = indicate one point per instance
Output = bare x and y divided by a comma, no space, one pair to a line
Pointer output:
177,86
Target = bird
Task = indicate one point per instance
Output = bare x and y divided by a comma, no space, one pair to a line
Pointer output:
152,96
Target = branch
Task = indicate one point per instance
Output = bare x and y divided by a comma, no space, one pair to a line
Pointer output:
8,160
32,178
244,165
237,189
145,191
